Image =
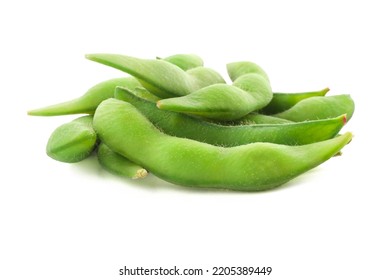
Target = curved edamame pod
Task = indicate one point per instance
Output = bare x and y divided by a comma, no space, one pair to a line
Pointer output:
73,141
117,164
321,107
184,61
252,167
185,126
160,77
87,103
282,101
249,92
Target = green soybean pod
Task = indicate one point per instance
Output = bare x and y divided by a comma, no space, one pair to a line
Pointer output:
321,107
249,92
160,77
282,101
142,93
184,61
87,103
185,126
117,164
241,68
73,141
252,167
256,118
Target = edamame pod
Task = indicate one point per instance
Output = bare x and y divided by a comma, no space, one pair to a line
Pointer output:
73,141
117,164
256,118
282,101
252,167
87,103
249,92
184,61
321,107
241,68
143,94
185,126
160,77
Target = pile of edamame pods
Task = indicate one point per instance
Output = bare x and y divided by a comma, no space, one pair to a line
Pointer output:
184,123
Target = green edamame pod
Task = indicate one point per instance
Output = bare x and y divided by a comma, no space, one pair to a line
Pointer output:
249,92
73,141
184,61
321,107
252,167
203,77
118,164
256,118
144,94
160,77
87,103
193,64
185,126
238,69
282,101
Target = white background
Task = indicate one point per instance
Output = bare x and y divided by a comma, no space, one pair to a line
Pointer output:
75,221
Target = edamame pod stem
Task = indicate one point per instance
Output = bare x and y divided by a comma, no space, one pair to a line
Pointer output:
252,167
321,107
73,141
87,103
249,92
282,101
160,77
185,126
117,164
184,61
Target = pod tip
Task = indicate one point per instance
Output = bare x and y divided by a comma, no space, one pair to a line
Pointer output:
91,56
345,119
35,112
325,91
